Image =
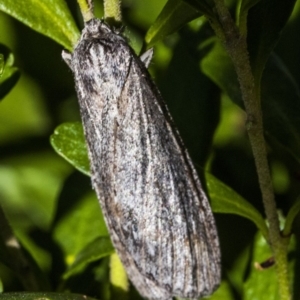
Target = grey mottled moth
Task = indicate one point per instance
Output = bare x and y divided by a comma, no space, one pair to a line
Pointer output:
156,211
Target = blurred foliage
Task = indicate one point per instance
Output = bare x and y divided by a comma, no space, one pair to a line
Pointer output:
50,204
9,75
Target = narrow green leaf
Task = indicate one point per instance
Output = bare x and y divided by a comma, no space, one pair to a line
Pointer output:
49,17
118,278
293,212
44,296
1,64
98,248
16,258
226,200
9,75
174,15
202,6
247,4
280,96
243,14
265,22
68,141
238,269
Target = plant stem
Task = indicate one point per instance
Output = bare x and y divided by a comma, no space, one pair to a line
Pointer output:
112,11
236,46
86,8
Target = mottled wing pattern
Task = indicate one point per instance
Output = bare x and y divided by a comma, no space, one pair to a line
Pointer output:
157,213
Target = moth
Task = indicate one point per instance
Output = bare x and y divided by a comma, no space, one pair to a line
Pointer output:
153,203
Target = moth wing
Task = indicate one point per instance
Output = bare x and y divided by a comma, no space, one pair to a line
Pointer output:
146,57
156,211
158,214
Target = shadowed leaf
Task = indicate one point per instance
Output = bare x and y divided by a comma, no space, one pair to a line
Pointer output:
98,248
226,200
174,15
280,96
9,75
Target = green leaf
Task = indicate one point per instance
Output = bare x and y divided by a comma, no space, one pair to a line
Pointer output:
226,200
98,248
224,292
49,17
261,282
118,278
174,15
86,216
29,118
9,75
218,66
264,25
264,282
293,212
26,175
280,96
68,141
44,296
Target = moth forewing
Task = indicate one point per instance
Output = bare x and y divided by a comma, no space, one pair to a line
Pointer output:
155,208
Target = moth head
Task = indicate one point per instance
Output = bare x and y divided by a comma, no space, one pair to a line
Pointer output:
96,28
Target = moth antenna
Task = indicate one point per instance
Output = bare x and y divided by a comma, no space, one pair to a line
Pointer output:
119,30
